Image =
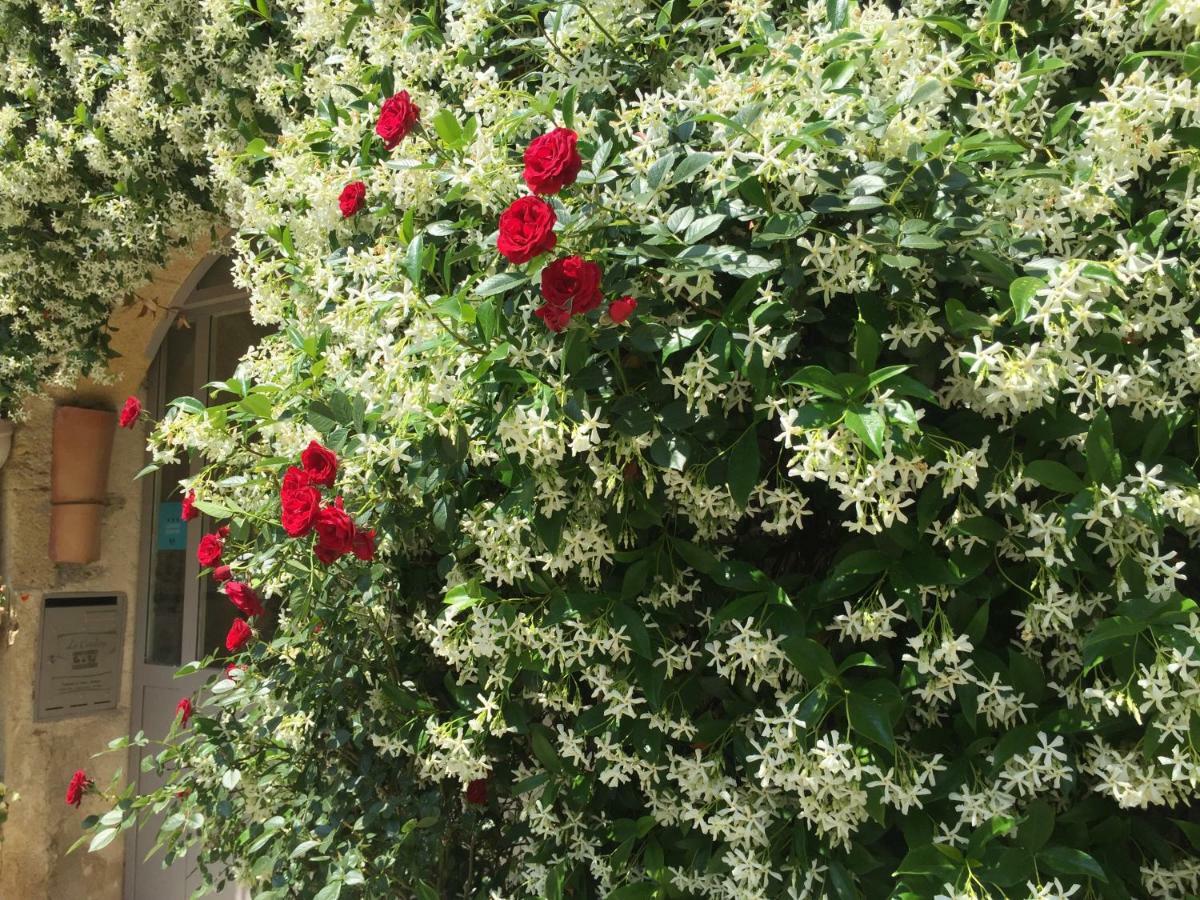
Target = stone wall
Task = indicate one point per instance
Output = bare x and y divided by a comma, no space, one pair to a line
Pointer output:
38,758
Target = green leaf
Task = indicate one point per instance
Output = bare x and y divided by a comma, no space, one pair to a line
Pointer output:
448,129
702,227
103,838
568,106
543,749
742,470
258,406
331,891
425,892
413,258
810,659
631,620
1100,451
820,380
1069,861
928,860
869,425
302,849
214,509
886,374
837,12
870,719
692,163
1107,637
1021,292
499,283
1037,826
838,74
1054,475
866,345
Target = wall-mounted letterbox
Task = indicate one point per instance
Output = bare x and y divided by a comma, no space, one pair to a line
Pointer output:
79,661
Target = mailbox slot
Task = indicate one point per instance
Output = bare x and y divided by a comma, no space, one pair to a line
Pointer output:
79,658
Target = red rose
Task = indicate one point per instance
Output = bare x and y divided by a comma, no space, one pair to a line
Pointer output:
183,709
552,162
130,412
335,533
299,510
221,574
299,503
232,669
209,551
223,532
620,310
555,317
239,636
396,119
572,283
526,230
244,597
320,464
80,785
295,478
352,199
477,792
363,544
187,510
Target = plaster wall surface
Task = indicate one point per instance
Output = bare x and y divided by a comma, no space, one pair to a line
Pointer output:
38,758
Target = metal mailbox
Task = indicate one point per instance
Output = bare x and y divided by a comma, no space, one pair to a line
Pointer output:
79,661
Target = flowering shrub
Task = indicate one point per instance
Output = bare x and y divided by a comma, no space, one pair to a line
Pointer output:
769,432
102,172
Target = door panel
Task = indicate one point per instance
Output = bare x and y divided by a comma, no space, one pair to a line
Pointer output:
181,618
152,879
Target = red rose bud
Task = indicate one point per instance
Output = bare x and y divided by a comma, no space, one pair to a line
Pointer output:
209,551
223,532
320,464
239,636
573,283
130,412
552,162
555,317
244,597
526,230
187,509
221,574
335,533
352,199
183,712
396,119
80,785
364,544
620,310
477,792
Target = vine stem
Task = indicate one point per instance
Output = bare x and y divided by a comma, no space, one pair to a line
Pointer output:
612,40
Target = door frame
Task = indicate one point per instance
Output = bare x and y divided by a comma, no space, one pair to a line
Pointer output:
204,304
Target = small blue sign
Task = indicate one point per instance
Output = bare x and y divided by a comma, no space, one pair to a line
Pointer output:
172,530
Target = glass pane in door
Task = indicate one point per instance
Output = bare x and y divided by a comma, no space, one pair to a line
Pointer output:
168,533
232,335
